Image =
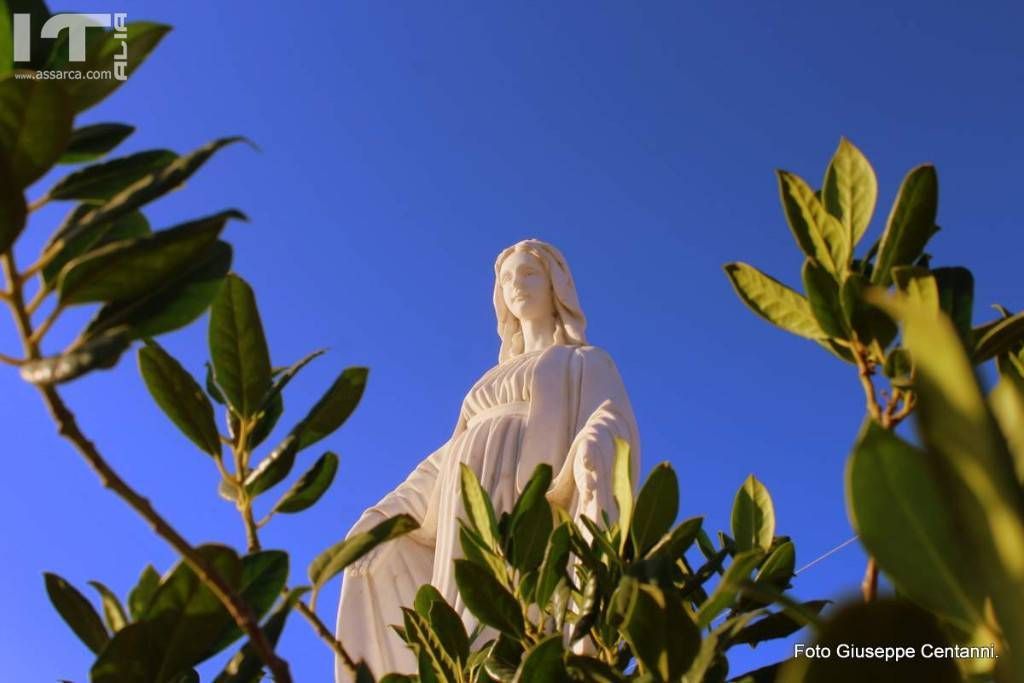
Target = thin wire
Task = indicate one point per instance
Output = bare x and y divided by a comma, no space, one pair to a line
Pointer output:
830,552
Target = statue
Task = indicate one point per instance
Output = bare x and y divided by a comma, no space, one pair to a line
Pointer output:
551,399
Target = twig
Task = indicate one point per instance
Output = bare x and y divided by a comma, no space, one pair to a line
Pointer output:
69,429
326,634
45,326
10,360
39,203
869,586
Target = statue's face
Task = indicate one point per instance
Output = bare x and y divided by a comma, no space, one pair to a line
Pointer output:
526,287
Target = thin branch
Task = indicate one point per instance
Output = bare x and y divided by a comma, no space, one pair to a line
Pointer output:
10,360
869,586
39,203
37,299
865,372
69,429
45,326
326,635
44,260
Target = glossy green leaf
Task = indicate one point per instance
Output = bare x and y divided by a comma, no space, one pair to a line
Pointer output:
286,376
487,599
679,540
543,662
77,612
113,612
530,523
478,507
180,397
900,513
442,665
999,338
35,125
333,561
963,440
147,189
133,268
956,298
818,233
97,353
102,49
728,587
778,567
238,347
774,626
101,182
911,223
333,408
264,575
142,593
13,209
656,508
773,301
266,420
1007,401
129,226
585,668
850,189
553,566
868,323
449,629
823,297
310,487
91,142
918,285
622,485
753,516
274,468
657,627
173,305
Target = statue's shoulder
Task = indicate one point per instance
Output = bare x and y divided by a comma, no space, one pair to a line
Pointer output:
594,356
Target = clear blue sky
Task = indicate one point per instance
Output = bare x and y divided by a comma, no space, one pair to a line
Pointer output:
405,144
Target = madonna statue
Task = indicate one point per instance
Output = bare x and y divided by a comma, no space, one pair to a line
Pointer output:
551,399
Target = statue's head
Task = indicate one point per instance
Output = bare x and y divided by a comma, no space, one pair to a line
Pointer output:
531,280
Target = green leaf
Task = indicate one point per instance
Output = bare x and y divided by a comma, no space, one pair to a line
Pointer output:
129,226
101,51
657,627
478,508
881,623
679,541
211,385
911,223
246,666
584,668
286,376
956,297
543,663
274,468
77,612
333,561
180,397
147,189
868,323
552,568
964,441
101,182
753,516
823,296
12,208
1001,337
99,352
725,592
264,574
850,189
266,420
1007,401
918,285
333,408
656,508
773,626
173,305
35,125
113,611
419,631
622,486
133,268
139,598
817,232
777,570
530,523
91,142
487,599
308,489
238,347
773,301
448,628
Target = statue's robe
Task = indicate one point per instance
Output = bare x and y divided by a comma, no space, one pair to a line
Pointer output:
578,406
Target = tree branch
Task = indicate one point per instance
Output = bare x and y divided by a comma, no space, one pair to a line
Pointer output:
69,429
326,634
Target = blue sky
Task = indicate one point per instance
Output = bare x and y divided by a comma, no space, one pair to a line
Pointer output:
403,145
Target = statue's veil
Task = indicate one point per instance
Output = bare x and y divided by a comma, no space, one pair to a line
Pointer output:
570,324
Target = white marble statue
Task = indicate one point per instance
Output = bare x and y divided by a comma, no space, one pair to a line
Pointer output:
551,398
